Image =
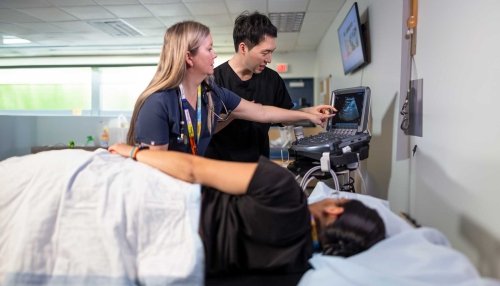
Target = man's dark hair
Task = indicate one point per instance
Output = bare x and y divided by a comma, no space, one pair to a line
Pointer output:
355,230
251,29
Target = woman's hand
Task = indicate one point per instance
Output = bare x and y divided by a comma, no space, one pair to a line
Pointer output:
121,149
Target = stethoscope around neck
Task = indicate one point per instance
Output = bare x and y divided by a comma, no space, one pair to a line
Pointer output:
183,135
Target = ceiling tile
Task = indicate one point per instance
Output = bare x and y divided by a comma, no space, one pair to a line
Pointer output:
214,20
75,26
146,23
234,16
287,5
325,6
307,38
168,9
288,36
72,2
56,37
89,12
14,30
65,30
316,23
314,27
238,6
19,4
207,7
156,39
95,37
48,14
285,47
115,2
13,16
160,1
41,27
155,33
129,11
169,21
200,1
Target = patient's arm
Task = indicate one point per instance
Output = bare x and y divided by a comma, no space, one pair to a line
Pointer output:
228,177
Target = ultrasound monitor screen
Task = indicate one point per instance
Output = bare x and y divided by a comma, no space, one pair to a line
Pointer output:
349,110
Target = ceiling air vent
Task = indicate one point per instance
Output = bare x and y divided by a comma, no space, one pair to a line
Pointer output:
116,28
287,22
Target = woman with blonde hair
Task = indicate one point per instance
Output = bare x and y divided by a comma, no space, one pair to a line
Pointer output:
180,108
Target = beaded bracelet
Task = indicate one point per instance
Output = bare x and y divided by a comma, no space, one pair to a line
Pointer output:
136,150
133,152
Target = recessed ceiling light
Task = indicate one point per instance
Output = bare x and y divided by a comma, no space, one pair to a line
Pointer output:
116,28
287,22
13,40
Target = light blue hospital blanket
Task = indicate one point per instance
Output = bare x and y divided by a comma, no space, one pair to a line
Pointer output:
407,257
73,217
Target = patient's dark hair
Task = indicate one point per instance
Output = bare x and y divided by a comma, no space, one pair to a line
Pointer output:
355,230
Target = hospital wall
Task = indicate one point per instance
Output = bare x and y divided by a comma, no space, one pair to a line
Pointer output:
450,183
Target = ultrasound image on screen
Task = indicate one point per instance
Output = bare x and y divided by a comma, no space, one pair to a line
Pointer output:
350,111
349,108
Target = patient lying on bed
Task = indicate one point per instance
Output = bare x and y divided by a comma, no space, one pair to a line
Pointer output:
74,217
255,218
93,218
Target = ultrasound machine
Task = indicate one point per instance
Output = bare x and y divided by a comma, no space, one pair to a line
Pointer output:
344,143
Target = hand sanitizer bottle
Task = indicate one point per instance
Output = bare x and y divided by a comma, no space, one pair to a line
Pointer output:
104,138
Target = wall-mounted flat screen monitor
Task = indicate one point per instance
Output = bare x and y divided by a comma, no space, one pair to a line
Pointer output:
351,41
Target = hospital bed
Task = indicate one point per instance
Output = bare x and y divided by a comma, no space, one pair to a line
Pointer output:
74,217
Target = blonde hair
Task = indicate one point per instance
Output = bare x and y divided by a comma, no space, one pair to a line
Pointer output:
180,38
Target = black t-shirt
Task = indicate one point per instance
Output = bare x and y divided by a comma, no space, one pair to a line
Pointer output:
241,140
267,230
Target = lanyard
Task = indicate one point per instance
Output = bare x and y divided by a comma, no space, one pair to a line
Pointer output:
185,107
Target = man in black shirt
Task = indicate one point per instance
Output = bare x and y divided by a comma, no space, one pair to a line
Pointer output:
246,74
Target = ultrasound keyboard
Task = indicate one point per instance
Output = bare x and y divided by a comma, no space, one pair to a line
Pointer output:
329,141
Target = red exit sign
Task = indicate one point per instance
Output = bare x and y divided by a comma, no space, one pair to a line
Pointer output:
282,68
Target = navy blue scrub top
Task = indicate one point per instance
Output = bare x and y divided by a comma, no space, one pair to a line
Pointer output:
158,121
